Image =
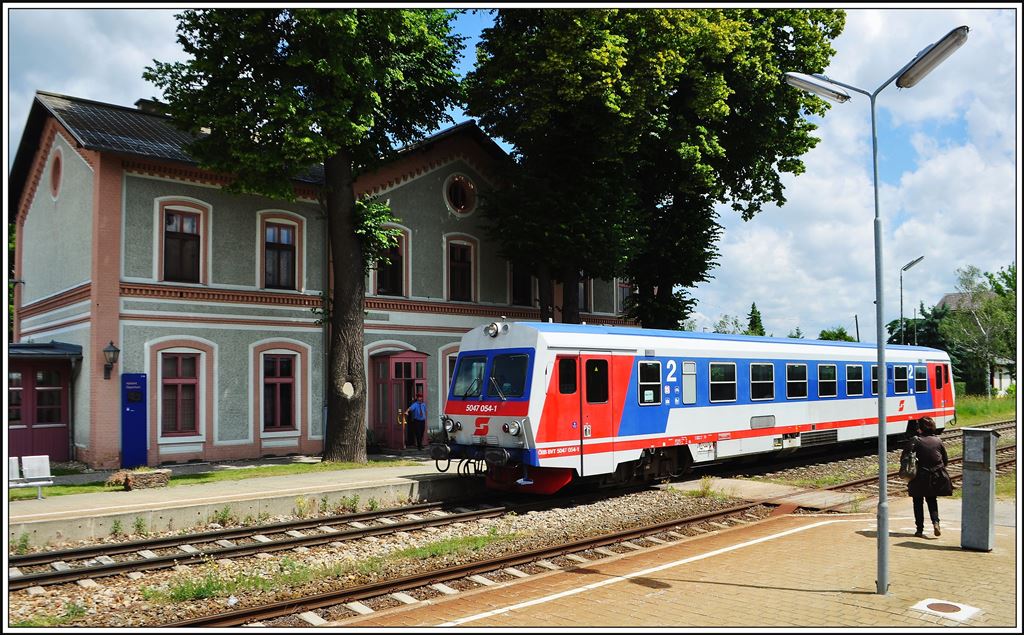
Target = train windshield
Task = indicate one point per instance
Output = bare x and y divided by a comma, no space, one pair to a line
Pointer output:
469,377
508,376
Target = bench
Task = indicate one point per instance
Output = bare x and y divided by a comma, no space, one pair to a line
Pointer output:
34,472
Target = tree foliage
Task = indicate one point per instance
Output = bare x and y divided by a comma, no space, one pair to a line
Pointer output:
982,326
629,126
836,334
796,334
754,326
270,94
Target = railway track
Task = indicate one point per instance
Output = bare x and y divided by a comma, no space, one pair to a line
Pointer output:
96,561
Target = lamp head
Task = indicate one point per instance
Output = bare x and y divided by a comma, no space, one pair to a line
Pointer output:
931,56
912,263
817,85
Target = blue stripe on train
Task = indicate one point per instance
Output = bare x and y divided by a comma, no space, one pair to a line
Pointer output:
653,419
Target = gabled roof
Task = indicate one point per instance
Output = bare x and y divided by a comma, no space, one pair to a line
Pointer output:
957,301
133,131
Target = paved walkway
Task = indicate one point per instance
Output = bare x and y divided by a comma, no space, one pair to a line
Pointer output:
787,571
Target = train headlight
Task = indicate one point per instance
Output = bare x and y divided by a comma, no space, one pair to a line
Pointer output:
449,425
492,329
513,428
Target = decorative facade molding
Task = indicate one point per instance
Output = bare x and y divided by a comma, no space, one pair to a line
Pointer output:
50,130
72,296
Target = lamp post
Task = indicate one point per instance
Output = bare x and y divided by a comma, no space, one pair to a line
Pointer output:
907,77
903,333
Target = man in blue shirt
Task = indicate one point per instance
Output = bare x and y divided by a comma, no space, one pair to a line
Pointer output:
417,413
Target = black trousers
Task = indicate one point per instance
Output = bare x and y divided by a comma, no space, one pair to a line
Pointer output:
933,510
414,432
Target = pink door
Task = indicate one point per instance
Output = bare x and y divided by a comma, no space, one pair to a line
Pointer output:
38,409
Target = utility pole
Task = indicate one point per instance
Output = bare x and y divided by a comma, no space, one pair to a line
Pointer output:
856,325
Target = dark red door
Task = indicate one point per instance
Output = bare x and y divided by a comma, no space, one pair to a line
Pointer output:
397,378
38,409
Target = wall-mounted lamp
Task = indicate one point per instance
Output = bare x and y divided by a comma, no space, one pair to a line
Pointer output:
110,354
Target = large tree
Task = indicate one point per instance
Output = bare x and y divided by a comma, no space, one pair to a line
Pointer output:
982,326
628,126
271,93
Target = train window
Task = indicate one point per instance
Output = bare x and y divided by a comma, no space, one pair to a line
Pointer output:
566,376
597,380
874,379
762,381
508,376
938,377
920,379
901,385
827,382
649,384
796,381
469,377
723,382
854,381
689,382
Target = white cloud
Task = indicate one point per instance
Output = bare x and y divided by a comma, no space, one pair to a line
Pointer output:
811,263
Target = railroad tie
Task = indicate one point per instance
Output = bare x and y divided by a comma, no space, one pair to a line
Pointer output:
105,560
387,521
359,607
444,588
327,529
358,525
36,590
657,541
188,549
479,579
630,545
312,618
547,564
576,558
14,572
413,517
606,552
676,535
225,543
516,572
404,598
135,575
87,583
295,533
261,538
60,565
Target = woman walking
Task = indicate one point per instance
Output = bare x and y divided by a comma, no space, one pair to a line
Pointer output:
931,480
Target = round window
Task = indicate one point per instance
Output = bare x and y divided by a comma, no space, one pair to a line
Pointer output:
460,194
55,170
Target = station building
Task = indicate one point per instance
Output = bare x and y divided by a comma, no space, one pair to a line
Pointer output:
210,299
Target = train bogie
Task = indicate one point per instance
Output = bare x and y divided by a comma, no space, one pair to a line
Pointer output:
544,405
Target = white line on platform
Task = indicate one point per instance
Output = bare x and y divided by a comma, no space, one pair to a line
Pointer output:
645,572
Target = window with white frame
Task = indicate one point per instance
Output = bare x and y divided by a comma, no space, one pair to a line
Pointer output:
762,382
796,381
828,384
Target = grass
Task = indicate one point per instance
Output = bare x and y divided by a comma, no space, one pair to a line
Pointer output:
71,612
291,574
972,410
210,477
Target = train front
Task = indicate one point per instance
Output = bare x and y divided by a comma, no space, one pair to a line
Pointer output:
488,417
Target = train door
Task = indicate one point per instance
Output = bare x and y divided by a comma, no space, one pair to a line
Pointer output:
941,388
596,418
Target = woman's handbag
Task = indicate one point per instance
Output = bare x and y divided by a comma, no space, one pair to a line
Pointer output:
908,465
941,484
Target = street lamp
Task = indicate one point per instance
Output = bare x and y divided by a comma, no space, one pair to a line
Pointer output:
908,76
903,336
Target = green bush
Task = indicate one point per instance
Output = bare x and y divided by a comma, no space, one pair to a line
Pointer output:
959,388
1011,391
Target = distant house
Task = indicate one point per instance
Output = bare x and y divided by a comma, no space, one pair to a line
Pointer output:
123,241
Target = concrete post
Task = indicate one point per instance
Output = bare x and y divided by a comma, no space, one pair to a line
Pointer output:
977,518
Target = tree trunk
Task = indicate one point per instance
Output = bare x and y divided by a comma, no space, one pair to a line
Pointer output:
345,428
570,296
545,293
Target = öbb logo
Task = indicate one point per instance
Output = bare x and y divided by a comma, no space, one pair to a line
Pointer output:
481,426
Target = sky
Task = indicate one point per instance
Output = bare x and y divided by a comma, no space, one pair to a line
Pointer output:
947,156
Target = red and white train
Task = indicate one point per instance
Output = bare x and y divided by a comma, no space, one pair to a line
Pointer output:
546,404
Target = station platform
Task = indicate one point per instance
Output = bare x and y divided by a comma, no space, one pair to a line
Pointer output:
58,520
785,572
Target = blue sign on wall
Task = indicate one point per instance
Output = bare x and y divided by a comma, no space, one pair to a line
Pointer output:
133,419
